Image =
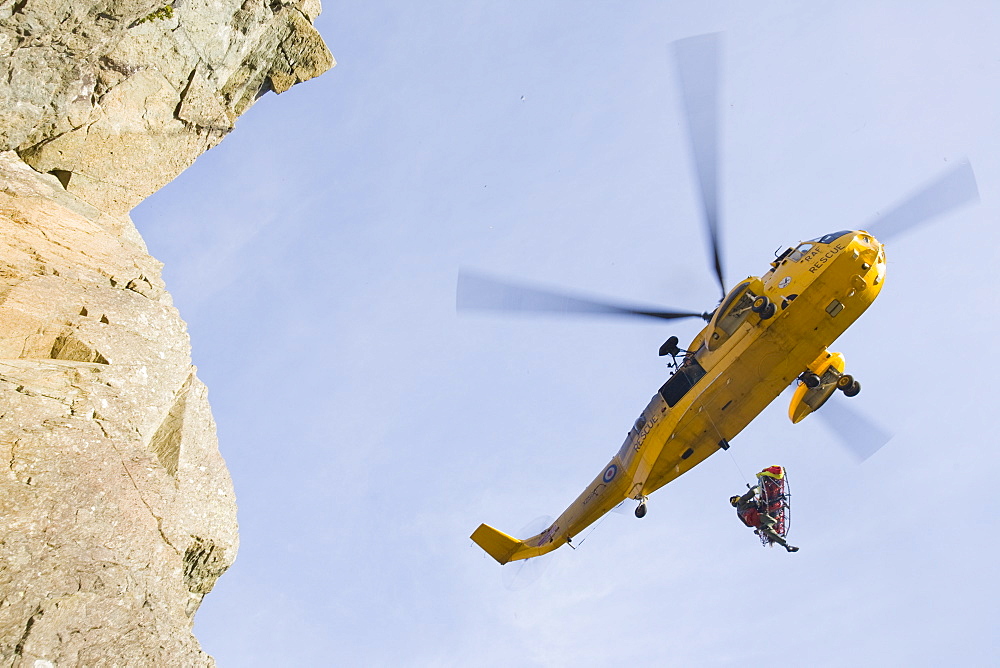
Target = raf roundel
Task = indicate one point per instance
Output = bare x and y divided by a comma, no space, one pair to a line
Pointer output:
610,473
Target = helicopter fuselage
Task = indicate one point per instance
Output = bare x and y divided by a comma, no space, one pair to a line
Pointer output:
765,333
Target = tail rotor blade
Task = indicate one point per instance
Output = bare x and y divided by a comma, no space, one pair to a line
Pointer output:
697,60
949,191
861,436
478,292
526,572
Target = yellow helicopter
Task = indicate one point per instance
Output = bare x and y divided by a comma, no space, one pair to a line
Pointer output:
767,332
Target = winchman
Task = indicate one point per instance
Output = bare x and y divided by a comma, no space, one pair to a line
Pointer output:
753,511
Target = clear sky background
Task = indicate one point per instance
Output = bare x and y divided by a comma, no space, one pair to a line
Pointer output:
369,428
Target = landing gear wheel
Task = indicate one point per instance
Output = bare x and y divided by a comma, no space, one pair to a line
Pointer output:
640,510
810,380
845,382
853,390
763,307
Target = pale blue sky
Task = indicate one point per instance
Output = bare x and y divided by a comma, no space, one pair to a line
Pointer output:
369,429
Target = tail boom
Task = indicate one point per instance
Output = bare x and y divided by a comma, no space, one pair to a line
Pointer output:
506,548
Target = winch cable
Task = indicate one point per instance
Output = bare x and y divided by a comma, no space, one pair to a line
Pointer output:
736,464
708,414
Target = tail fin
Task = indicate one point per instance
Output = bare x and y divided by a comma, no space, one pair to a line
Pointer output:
497,544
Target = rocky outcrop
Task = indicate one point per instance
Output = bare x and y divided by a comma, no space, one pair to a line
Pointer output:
117,97
117,514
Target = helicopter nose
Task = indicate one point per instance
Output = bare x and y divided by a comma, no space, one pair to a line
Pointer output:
871,253
867,240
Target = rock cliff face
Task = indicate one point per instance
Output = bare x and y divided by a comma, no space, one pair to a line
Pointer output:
117,514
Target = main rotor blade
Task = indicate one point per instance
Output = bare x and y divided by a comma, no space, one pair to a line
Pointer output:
954,188
476,291
697,60
857,433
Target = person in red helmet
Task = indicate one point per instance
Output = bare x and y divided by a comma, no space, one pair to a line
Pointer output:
752,512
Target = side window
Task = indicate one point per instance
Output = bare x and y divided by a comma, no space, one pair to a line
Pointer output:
681,382
799,251
626,448
830,238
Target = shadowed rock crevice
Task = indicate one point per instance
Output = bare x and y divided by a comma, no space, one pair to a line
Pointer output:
63,176
204,562
68,347
19,647
166,442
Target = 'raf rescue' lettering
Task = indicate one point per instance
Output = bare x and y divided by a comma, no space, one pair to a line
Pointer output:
819,258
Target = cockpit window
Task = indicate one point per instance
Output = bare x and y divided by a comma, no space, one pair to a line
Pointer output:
799,251
830,238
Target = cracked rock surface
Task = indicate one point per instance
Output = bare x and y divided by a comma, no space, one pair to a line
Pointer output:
117,513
